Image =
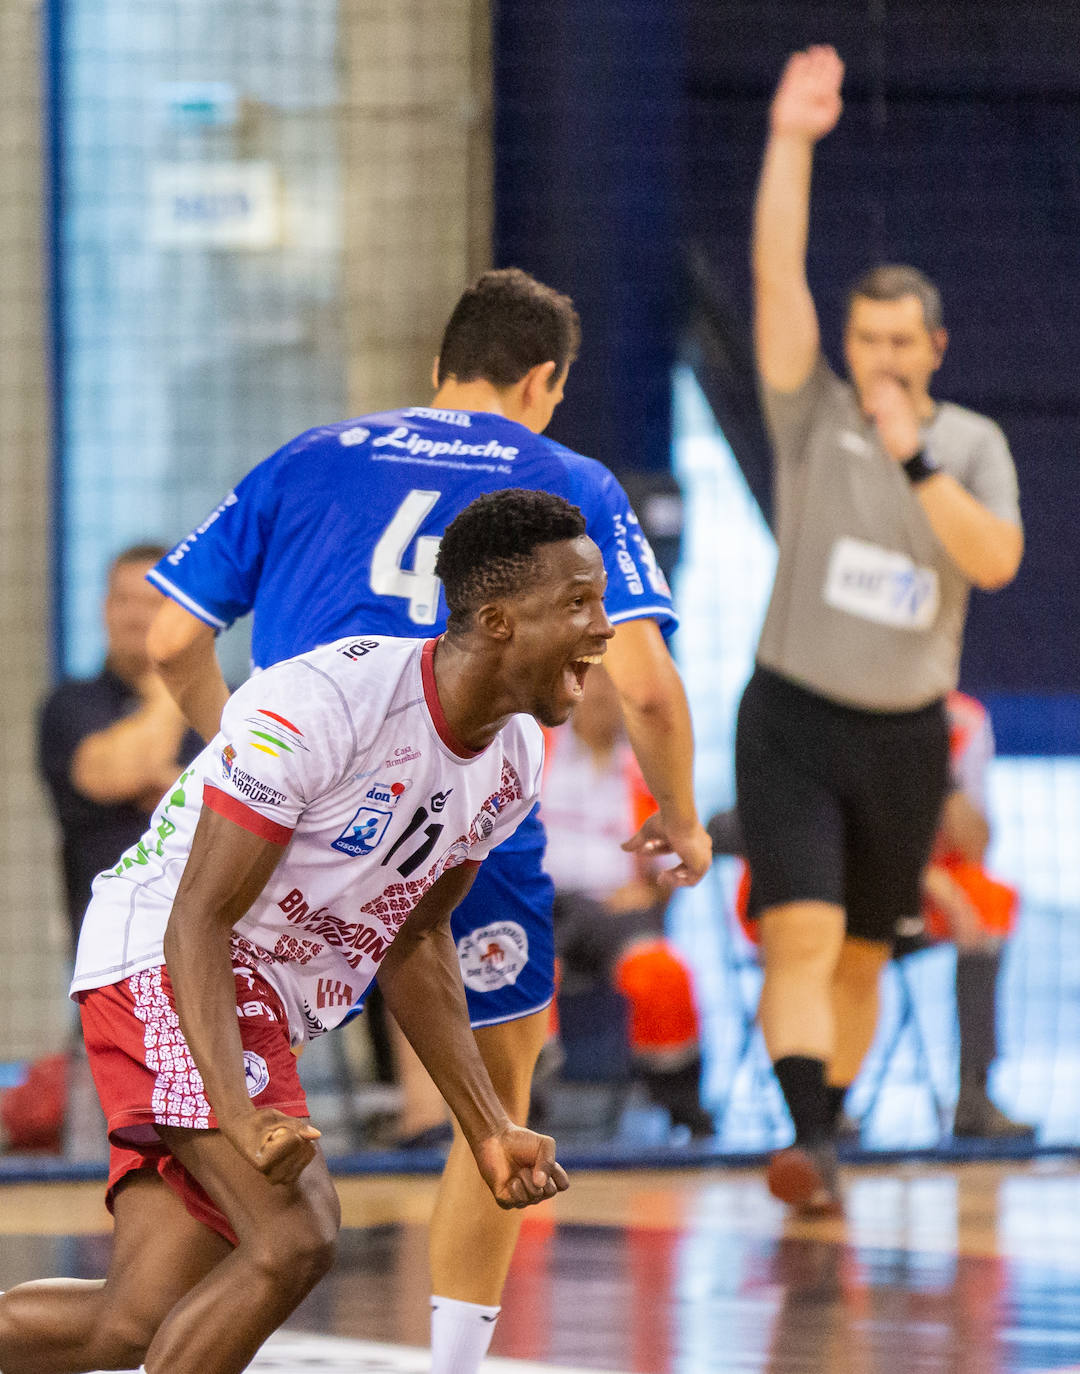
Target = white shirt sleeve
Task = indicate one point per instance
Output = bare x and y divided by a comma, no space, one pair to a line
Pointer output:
286,739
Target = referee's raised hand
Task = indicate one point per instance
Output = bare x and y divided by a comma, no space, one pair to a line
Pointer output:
807,100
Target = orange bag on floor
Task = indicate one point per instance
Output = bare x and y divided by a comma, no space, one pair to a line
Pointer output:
32,1115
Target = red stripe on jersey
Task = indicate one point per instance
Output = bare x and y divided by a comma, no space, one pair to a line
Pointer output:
281,720
234,810
431,696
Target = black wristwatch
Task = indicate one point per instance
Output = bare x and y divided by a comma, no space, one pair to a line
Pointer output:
919,467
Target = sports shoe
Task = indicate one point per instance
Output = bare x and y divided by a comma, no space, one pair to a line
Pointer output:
977,1117
804,1176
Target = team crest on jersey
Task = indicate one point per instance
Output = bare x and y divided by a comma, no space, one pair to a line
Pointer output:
364,832
256,1074
455,856
388,793
493,956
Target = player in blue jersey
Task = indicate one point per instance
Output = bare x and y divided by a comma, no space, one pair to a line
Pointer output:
337,534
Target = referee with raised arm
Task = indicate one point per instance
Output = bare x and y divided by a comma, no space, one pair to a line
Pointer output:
889,506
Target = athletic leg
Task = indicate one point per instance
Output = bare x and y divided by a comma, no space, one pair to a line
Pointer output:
801,946
159,1253
472,1240
286,1238
855,998
977,972
801,943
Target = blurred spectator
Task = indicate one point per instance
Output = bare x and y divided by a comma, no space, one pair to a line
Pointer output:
964,904
109,746
961,903
609,906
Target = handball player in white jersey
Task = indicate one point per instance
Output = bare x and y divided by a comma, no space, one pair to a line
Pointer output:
322,838
335,534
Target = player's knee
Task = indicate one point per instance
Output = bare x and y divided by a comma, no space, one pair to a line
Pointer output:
806,937
799,952
122,1338
296,1252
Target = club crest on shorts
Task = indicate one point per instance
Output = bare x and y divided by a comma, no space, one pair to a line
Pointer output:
256,1074
493,956
364,831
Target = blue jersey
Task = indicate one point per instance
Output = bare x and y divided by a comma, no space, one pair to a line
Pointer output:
337,532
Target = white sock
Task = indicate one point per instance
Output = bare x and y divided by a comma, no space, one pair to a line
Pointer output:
460,1335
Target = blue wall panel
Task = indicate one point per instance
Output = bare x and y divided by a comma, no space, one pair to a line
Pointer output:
586,141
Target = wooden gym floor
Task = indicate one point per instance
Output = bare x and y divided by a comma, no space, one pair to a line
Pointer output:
966,1270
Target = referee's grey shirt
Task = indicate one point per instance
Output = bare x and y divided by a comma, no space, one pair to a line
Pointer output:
868,609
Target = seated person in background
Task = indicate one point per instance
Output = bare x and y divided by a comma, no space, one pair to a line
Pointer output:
609,906
978,913
109,745
961,902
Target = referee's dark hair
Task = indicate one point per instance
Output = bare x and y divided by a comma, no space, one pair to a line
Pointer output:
488,550
505,325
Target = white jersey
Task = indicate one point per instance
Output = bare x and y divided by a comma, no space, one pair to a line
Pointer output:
344,756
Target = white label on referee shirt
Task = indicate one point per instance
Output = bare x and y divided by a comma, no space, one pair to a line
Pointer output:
877,584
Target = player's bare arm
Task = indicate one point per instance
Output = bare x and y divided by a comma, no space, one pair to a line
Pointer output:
805,108
181,647
657,717
420,979
986,548
227,869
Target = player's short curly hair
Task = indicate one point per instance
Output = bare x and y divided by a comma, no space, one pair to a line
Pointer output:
489,549
505,324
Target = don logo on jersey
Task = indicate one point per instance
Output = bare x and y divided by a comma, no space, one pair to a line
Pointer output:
364,831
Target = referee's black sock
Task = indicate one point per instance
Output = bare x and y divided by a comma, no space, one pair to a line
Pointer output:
802,1081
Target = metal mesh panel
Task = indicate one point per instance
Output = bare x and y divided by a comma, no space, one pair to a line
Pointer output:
263,214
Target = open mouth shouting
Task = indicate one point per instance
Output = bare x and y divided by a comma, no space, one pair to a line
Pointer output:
576,671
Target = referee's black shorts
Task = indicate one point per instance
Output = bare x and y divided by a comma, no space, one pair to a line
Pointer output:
838,804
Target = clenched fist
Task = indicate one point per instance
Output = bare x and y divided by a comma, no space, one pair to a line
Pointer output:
279,1146
519,1167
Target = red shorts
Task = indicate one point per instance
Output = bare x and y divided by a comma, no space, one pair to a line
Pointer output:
145,1075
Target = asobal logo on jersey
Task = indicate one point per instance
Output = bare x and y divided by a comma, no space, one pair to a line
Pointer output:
402,437
364,832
